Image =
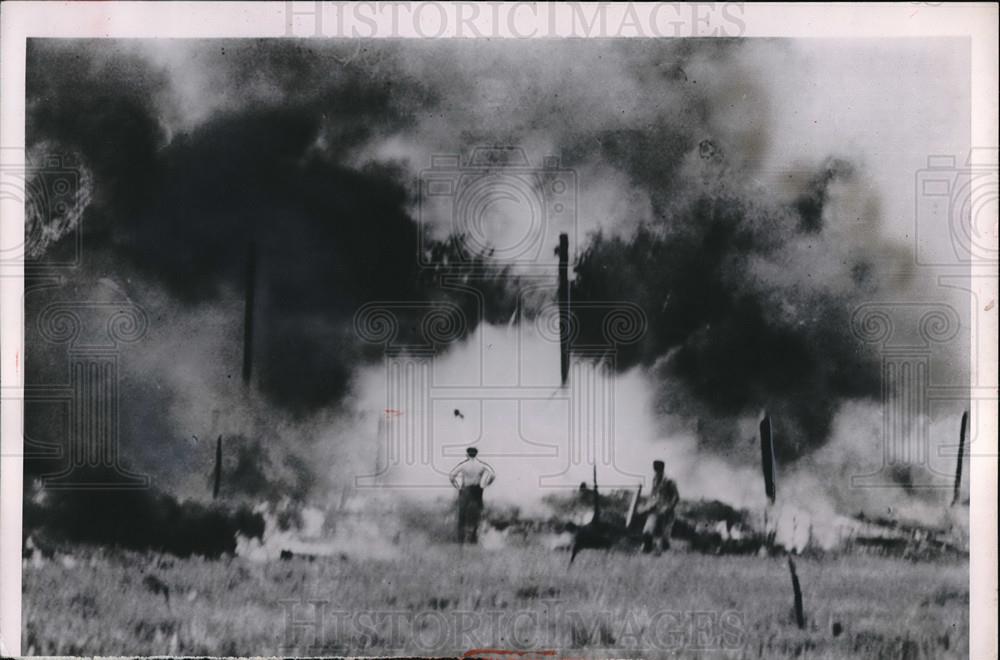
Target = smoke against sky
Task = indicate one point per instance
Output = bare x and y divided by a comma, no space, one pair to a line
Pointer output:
746,194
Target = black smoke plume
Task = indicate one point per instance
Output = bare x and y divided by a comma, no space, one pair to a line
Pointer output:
178,210
723,341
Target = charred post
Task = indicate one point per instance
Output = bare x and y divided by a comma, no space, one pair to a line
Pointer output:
962,432
217,481
800,617
251,274
767,457
563,294
633,507
595,534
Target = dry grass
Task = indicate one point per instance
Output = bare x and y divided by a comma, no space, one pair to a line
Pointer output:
445,600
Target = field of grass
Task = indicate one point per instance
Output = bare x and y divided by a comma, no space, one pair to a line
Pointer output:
446,600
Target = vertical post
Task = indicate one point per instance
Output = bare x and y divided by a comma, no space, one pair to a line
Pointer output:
633,507
962,432
218,469
248,305
563,294
800,617
248,313
767,457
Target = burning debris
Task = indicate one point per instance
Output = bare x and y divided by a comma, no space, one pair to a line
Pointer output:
714,527
360,527
598,533
896,537
138,520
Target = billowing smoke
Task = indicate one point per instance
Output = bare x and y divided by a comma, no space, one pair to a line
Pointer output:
180,209
727,338
174,209
693,201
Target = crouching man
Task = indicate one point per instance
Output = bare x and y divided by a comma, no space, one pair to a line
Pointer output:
470,477
661,505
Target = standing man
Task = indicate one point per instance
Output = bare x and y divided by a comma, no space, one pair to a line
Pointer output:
470,477
661,504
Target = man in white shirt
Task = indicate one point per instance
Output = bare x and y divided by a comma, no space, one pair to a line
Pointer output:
470,477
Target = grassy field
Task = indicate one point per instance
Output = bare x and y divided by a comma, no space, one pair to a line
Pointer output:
446,600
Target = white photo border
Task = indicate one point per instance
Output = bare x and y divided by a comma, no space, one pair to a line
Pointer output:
22,20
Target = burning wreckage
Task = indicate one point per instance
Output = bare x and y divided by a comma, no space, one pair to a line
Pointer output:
588,519
585,519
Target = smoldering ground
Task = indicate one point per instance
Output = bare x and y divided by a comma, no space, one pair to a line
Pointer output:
312,151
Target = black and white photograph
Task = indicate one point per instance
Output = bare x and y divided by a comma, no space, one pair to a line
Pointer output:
601,343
